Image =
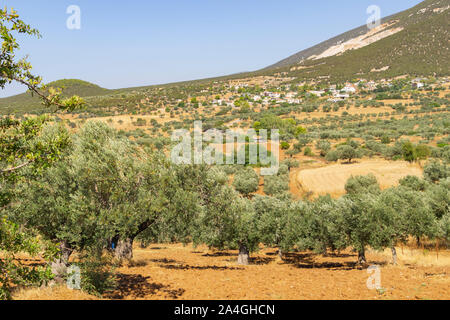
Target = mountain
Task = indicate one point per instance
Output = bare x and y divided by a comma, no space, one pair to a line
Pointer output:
415,41
25,102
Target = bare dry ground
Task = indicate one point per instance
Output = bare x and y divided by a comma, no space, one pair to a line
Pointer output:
331,179
181,272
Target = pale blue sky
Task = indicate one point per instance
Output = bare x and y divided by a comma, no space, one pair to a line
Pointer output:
136,42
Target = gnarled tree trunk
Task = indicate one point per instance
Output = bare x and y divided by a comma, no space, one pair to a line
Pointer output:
280,253
243,255
123,245
362,257
59,266
394,255
124,249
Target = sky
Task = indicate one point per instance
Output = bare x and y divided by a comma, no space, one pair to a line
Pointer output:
143,42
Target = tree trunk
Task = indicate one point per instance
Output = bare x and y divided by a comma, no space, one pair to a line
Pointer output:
65,252
362,257
280,253
394,255
124,249
243,255
59,265
418,242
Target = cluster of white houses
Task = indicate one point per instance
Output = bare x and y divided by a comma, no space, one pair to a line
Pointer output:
271,93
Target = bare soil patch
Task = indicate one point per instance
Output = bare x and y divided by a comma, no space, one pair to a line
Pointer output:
174,271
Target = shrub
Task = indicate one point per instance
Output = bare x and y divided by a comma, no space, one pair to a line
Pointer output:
246,181
435,171
308,151
362,184
324,146
332,156
285,145
276,185
347,153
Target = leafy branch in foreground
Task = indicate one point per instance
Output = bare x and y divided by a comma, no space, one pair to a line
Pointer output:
19,70
13,241
26,147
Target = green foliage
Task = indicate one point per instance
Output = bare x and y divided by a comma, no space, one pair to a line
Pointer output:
409,152
324,146
273,220
435,171
362,184
285,145
347,152
227,221
317,226
332,156
414,183
12,242
307,151
246,181
97,273
444,226
277,184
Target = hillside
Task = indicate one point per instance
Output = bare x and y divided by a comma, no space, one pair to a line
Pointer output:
413,42
420,49
426,13
25,102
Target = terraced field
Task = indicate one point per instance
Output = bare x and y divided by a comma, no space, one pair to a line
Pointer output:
331,179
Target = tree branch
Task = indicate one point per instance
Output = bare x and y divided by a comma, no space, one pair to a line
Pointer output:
40,94
17,168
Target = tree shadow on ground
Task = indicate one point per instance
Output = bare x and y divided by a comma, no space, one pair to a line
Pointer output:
137,286
189,267
163,260
306,261
219,254
260,260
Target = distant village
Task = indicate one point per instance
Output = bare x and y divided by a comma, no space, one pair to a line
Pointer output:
275,91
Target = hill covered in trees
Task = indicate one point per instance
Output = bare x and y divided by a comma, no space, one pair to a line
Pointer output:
25,102
416,44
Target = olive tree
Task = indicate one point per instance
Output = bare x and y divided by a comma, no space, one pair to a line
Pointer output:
362,184
324,146
359,219
435,171
277,184
320,225
347,152
246,181
227,221
273,218
104,192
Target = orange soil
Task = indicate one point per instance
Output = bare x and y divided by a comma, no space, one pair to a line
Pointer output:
179,272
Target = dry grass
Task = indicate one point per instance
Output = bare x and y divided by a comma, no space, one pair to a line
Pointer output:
52,293
331,179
